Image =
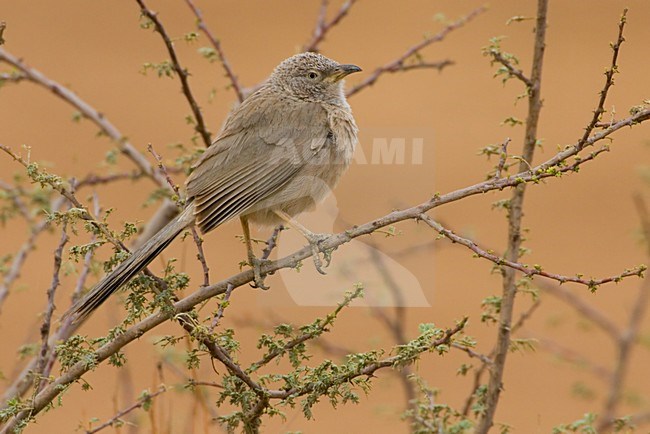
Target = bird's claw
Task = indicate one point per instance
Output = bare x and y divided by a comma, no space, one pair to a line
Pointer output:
258,280
314,243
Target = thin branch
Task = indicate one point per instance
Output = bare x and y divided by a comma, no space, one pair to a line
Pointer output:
525,316
609,79
92,179
234,82
523,268
69,195
180,71
23,252
502,158
478,374
515,214
163,170
570,355
628,337
89,112
145,400
470,352
515,72
49,310
12,77
23,381
225,301
272,241
15,193
401,61
323,26
200,255
202,294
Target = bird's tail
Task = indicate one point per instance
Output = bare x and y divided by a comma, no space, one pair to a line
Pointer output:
135,263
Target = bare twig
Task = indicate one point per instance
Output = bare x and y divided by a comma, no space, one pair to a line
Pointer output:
222,307
323,26
487,361
49,310
628,338
200,255
470,352
145,400
272,242
15,193
234,82
502,158
89,112
523,268
515,214
609,80
180,71
91,179
21,256
401,61
572,356
163,170
515,72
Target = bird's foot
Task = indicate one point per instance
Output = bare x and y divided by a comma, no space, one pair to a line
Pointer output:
258,280
314,243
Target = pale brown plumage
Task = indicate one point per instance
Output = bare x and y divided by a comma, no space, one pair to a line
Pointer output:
279,153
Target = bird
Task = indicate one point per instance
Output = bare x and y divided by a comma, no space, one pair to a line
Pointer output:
278,154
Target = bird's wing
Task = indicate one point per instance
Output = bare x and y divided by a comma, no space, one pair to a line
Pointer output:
263,145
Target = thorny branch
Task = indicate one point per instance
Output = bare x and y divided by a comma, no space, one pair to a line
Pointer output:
609,80
523,268
552,167
400,63
537,173
180,71
69,195
88,111
323,26
627,338
515,72
234,82
515,214
145,400
21,256
49,310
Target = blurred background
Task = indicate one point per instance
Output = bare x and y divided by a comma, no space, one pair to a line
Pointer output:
582,223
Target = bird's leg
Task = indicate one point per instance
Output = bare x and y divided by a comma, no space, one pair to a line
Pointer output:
255,263
311,237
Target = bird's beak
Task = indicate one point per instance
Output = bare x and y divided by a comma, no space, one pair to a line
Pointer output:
342,71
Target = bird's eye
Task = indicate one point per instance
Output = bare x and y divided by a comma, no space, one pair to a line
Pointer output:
313,75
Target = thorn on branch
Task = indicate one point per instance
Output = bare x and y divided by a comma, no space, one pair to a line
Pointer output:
609,82
502,158
234,82
323,26
182,73
399,63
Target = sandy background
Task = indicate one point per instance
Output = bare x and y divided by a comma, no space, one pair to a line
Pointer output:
581,223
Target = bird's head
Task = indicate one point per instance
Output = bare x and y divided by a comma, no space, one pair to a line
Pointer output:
312,76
